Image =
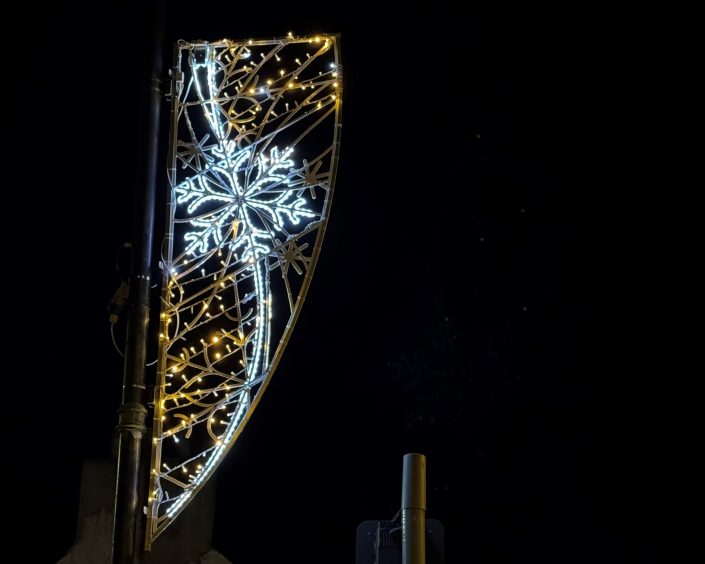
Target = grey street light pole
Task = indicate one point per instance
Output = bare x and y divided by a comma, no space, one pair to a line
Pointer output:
413,509
132,412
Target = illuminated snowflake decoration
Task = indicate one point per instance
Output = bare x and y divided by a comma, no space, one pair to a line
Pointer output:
255,191
253,153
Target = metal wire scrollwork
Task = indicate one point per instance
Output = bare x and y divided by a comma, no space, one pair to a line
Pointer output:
253,152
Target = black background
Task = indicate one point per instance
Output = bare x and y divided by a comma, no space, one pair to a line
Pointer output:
492,291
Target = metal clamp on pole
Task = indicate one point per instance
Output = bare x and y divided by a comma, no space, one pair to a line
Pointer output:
413,510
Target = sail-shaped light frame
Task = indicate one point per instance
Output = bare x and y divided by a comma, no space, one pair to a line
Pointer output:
255,130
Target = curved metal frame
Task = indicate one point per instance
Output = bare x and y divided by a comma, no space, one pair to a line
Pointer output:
252,169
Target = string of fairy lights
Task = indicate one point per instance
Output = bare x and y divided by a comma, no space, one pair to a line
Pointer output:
253,151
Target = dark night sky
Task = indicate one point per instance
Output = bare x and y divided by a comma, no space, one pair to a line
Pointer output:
485,227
